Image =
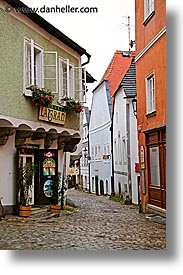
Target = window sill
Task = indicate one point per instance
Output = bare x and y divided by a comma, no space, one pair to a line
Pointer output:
151,114
148,18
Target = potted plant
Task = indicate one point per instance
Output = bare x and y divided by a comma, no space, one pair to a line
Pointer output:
55,205
41,96
25,177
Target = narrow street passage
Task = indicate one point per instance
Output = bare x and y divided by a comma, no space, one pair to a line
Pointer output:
97,223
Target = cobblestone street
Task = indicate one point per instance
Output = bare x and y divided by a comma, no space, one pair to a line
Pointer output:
97,223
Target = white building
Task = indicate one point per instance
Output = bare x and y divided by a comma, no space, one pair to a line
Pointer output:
84,160
100,140
125,141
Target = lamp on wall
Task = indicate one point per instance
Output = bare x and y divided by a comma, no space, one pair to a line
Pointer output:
134,106
85,152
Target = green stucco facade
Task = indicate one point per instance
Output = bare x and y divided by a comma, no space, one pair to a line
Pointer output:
12,100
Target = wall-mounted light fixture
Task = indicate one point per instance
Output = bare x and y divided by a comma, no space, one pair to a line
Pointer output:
134,106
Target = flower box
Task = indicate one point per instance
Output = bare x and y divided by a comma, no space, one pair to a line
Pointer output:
71,103
41,96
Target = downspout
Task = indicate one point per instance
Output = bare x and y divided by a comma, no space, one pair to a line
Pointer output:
111,129
89,159
83,64
128,150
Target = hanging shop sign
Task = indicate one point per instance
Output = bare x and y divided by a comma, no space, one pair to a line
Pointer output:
106,157
54,114
71,171
142,157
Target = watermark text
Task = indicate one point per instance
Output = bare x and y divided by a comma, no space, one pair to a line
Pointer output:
54,9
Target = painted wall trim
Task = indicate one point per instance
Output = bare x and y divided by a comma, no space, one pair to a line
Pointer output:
151,43
121,173
16,122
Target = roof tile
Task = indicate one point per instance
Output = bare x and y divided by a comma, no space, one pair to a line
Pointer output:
116,70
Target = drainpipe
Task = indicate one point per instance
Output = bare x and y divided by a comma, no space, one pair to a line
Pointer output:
112,177
89,159
83,64
128,150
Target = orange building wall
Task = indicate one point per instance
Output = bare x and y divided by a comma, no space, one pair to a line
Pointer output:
157,23
154,60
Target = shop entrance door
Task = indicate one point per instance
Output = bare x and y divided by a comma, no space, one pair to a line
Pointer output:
47,161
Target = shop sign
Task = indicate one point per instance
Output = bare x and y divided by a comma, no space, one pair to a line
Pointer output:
71,171
49,166
106,157
142,157
54,114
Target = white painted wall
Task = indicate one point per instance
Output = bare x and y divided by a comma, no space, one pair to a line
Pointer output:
8,172
120,128
84,164
119,134
134,154
100,135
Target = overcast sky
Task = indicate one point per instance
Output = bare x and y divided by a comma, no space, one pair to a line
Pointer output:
101,33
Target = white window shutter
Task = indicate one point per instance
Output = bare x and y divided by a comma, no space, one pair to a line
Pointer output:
60,78
68,86
50,71
79,83
71,81
32,61
27,63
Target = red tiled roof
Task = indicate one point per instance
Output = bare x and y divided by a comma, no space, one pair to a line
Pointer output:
116,70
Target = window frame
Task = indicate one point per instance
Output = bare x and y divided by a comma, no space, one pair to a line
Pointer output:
48,66
152,165
148,9
34,48
150,94
69,89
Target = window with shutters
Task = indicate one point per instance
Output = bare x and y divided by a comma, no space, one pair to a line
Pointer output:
72,80
40,67
66,78
46,70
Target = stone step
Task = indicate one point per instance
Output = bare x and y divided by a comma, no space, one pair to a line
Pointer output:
35,210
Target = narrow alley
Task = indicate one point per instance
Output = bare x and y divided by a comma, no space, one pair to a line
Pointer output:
97,223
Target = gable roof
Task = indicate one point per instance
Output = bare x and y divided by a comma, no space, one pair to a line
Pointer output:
50,29
117,69
129,80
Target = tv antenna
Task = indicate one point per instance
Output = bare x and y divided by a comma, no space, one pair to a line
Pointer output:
131,42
